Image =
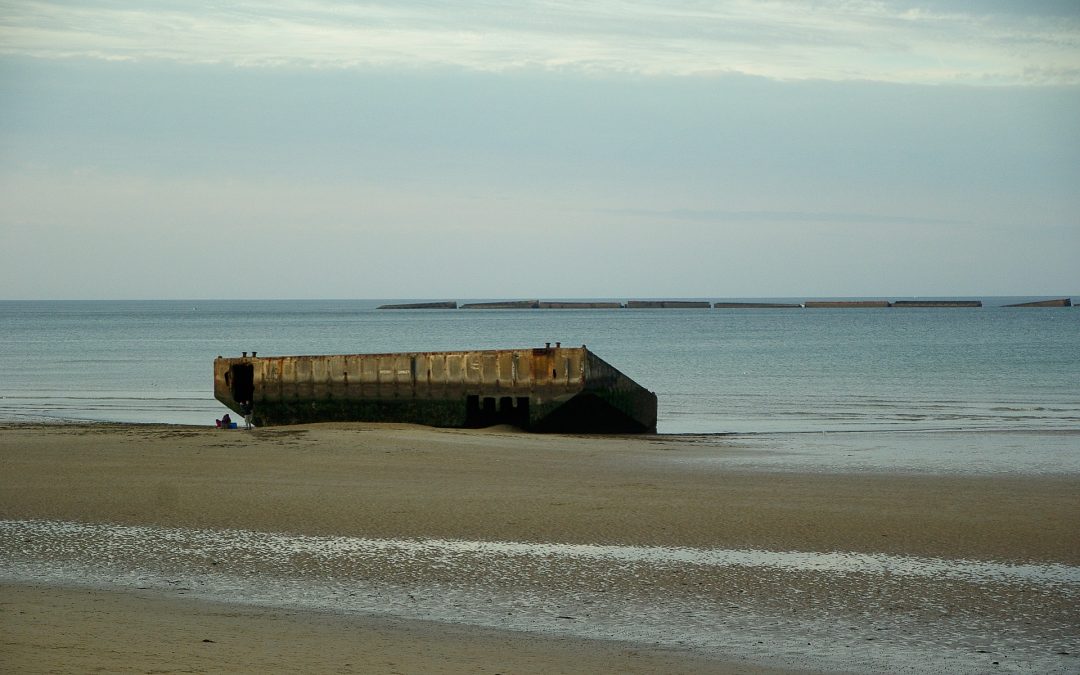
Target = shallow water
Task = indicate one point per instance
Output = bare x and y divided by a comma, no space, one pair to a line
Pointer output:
1028,452
833,611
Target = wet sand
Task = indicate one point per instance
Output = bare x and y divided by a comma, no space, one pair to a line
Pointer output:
84,630
379,483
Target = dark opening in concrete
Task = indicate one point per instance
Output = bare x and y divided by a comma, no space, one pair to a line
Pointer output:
242,381
472,410
491,411
521,412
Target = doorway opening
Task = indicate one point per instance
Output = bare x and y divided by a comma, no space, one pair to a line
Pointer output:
241,379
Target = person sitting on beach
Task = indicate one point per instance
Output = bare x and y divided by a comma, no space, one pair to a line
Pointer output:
224,422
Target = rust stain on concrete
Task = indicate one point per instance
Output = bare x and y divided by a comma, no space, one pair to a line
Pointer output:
549,389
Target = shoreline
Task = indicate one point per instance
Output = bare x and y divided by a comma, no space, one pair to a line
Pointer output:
151,412
660,547
1031,452
15,424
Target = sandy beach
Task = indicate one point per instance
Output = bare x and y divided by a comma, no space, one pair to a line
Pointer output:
370,548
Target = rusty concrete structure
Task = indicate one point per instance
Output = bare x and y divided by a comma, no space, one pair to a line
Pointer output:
550,389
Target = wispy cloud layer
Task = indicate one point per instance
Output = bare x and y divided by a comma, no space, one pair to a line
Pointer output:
779,39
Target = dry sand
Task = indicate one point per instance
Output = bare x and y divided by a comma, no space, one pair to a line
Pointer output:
403,482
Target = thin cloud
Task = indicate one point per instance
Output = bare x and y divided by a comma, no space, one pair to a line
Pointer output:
816,217
781,39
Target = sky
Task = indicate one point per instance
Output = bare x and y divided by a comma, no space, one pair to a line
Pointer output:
539,149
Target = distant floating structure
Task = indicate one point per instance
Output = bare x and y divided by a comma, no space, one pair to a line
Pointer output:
1060,302
421,305
549,389
756,305
667,304
580,305
703,304
846,304
937,303
504,304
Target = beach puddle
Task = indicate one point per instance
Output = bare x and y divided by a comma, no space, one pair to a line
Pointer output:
938,452
829,611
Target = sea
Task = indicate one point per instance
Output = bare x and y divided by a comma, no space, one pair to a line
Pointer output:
934,374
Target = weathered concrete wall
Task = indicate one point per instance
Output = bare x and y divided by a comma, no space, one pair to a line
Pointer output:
474,388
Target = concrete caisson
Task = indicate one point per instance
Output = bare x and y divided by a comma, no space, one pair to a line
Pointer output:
550,389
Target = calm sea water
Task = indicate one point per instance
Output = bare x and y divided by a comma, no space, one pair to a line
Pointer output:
715,371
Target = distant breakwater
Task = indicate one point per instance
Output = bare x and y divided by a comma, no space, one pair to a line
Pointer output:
705,304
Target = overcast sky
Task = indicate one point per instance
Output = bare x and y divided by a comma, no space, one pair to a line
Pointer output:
551,149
